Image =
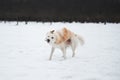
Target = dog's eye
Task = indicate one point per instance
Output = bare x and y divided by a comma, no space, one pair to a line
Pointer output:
52,37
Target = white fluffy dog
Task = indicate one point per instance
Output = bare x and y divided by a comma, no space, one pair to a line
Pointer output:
62,39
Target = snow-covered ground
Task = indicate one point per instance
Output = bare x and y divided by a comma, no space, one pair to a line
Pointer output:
24,53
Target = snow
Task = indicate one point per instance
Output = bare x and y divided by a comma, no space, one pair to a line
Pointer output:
24,53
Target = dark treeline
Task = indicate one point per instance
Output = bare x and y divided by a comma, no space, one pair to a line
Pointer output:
60,10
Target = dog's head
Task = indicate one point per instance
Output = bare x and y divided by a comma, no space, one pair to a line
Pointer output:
51,37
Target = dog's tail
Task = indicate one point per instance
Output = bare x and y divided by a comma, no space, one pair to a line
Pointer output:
80,38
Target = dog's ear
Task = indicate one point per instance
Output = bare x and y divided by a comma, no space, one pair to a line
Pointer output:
52,31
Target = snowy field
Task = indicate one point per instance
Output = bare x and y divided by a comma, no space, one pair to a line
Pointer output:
24,53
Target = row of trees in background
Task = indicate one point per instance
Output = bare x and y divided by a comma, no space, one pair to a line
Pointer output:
60,10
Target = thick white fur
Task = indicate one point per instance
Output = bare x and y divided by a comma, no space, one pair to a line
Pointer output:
62,39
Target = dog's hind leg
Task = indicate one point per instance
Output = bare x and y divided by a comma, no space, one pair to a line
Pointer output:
64,52
52,51
73,49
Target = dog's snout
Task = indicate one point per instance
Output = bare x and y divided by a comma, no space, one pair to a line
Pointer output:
48,40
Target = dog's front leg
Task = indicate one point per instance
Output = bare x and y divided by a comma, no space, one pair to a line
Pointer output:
52,51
